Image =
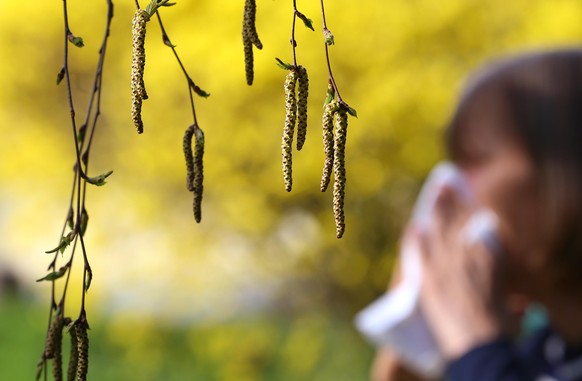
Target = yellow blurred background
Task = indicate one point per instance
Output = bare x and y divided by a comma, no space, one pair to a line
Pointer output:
261,289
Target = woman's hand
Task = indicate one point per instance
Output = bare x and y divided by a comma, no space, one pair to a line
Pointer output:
460,292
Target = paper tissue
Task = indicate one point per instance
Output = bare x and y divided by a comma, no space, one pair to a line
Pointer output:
395,319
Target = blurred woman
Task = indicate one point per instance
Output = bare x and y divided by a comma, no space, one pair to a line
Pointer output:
517,137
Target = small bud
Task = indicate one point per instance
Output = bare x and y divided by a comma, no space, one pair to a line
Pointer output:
199,91
88,279
167,41
84,222
60,75
77,41
328,37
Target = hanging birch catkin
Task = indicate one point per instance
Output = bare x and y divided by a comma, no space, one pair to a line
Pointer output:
81,327
302,95
138,91
288,131
249,60
198,180
249,23
52,338
339,169
195,166
327,126
189,157
74,354
53,346
250,38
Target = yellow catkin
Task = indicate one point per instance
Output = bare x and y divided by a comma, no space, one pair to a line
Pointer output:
290,119
249,23
327,124
339,170
81,327
302,94
74,355
198,181
138,92
250,37
189,157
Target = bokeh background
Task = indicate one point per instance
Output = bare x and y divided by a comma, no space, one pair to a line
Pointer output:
261,289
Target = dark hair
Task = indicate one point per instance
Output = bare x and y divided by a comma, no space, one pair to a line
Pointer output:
538,98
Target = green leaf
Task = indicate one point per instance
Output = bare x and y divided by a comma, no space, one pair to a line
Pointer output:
307,21
99,180
153,6
284,65
60,75
352,112
55,274
65,241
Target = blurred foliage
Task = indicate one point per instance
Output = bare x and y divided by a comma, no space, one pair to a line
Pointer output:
303,347
259,251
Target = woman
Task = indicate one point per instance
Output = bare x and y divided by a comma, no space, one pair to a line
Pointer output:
517,137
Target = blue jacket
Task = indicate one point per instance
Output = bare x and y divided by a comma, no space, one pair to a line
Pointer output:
542,357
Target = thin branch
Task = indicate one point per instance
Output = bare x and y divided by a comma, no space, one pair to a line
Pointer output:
331,78
97,91
192,87
293,41
78,192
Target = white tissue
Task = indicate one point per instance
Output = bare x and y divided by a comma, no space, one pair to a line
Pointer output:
395,320
482,226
